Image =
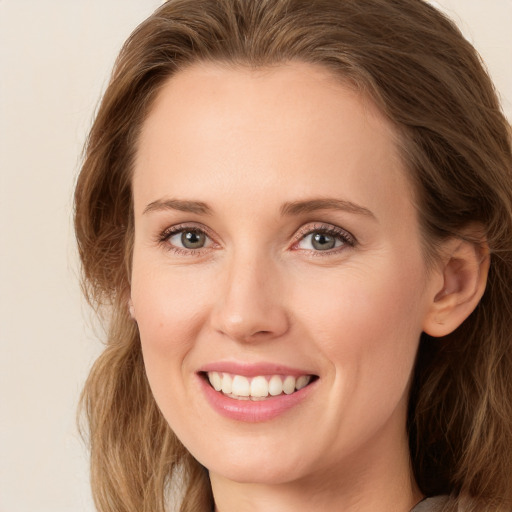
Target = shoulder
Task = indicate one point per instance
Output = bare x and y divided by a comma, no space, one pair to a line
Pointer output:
434,504
442,503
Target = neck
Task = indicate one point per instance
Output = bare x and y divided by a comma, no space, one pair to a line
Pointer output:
378,477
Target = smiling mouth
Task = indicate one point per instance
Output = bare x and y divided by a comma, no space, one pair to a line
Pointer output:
256,388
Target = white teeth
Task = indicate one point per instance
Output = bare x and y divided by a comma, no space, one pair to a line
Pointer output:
302,381
275,385
257,388
227,383
216,381
289,385
240,386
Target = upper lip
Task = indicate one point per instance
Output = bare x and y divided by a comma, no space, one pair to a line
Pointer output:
253,369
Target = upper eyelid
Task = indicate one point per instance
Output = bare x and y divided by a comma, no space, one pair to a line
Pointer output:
183,226
320,226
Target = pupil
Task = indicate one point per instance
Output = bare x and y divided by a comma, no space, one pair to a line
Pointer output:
323,242
192,240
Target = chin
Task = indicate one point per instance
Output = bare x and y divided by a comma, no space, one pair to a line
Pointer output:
249,474
245,468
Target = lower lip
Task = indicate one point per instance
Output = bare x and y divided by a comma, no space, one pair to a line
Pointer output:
251,411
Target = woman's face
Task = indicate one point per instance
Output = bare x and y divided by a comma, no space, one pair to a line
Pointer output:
276,247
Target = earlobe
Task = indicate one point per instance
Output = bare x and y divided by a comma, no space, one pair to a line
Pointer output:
464,276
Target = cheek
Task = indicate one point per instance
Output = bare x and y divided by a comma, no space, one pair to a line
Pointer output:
365,303
367,324
170,309
167,302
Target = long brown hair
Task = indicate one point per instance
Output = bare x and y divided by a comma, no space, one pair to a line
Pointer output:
430,83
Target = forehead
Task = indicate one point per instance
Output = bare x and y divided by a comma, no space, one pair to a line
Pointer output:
292,128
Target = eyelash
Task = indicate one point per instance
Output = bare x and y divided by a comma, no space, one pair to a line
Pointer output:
347,239
163,239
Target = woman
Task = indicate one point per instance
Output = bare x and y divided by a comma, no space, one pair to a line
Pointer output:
299,217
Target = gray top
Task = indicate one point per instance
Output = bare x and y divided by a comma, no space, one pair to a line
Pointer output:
434,504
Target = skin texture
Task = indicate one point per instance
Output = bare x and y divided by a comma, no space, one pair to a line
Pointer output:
245,142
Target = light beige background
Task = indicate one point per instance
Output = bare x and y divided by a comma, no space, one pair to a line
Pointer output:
55,58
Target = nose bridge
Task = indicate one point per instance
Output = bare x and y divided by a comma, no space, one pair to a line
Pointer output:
250,305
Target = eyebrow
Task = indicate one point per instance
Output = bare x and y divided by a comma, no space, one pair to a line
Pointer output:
288,209
313,205
177,204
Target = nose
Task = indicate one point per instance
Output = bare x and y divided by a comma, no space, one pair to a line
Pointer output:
250,304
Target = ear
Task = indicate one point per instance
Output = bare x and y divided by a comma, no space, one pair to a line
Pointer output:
464,267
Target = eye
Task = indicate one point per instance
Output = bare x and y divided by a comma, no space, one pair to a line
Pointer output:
185,239
323,238
320,242
188,239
